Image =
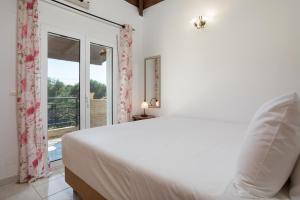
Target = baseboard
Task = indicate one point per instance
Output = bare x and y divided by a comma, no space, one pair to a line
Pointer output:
9,180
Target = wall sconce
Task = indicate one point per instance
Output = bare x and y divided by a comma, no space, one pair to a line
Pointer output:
199,22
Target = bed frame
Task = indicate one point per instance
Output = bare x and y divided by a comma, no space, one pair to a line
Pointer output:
81,188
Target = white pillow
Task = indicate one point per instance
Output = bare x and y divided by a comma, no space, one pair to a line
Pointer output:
295,183
271,148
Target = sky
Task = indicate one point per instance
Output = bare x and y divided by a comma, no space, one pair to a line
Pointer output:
68,72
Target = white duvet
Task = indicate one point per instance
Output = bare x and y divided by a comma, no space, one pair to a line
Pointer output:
159,159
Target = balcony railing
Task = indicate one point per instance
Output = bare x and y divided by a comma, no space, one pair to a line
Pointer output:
63,112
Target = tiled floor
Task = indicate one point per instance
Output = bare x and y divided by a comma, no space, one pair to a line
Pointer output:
52,188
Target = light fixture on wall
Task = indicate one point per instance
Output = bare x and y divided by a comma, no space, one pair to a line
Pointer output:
199,22
154,102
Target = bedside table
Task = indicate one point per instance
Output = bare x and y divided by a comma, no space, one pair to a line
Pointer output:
141,117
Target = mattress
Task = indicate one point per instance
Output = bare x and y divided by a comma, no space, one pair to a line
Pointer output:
159,159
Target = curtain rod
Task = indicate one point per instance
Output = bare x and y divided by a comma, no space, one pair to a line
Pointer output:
89,14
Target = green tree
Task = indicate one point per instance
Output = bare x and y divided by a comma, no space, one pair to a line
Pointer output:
57,88
74,90
99,89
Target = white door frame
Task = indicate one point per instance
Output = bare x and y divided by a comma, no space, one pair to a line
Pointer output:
109,41
45,29
84,74
109,78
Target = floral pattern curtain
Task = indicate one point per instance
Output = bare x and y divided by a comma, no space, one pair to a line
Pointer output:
32,139
125,75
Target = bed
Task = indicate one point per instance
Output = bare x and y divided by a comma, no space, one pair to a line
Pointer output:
159,159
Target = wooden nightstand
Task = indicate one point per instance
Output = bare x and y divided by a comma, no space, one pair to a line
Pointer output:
141,117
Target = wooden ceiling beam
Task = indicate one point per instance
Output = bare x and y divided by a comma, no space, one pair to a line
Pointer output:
141,7
133,2
143,4
149,3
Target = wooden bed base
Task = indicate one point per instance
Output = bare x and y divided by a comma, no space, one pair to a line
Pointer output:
81,188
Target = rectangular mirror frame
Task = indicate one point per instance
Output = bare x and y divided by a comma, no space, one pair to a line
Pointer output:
145,80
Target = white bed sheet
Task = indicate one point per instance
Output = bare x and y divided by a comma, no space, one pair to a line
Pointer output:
160,159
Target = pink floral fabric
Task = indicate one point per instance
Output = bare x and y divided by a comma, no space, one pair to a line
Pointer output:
125,75
32,139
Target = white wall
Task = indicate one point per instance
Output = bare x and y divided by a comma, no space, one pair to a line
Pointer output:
249,53
117,10
8,135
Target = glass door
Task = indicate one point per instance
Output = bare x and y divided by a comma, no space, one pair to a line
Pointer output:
76,85
63,90
99,77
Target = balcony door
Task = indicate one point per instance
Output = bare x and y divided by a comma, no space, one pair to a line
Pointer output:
63,86
99,76
77,78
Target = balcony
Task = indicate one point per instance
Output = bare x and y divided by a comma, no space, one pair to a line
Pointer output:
64,117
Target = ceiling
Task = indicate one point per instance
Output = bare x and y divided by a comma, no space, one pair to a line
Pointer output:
68,49
143,4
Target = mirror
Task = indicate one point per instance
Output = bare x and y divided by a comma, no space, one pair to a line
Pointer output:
153,81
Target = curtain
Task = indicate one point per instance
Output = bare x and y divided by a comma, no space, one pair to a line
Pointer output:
32,139
125,75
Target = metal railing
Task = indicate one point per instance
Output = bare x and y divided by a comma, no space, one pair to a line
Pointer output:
63,112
